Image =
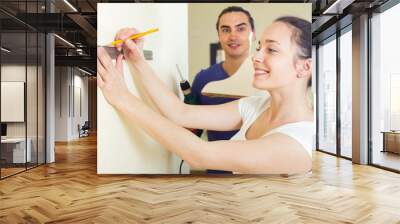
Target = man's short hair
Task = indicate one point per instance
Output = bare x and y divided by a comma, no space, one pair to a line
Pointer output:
236,9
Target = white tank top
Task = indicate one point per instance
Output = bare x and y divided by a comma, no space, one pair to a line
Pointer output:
251,107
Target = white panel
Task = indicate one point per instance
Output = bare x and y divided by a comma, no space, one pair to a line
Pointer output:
239,84
77,111
12,101
122,147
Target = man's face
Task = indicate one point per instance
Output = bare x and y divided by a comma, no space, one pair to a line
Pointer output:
234,34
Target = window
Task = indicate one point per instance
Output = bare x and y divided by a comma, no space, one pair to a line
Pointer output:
346,92
327,96
385,89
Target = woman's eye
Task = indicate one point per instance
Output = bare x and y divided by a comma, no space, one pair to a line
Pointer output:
258,46
270,50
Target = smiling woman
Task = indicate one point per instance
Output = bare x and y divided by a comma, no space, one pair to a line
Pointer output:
275,134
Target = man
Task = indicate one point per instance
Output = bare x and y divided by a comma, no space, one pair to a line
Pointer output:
235,28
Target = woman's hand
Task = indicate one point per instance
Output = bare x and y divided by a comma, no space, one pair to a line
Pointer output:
110,78
132,49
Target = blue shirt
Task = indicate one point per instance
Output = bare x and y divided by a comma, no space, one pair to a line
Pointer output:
214,73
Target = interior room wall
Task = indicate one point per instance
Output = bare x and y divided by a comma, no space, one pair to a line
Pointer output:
41,114
80,104
69,81
62,112
122,147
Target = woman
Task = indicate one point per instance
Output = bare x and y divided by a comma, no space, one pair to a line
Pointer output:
275,134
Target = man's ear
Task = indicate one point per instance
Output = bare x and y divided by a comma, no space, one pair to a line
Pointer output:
304,67
253,38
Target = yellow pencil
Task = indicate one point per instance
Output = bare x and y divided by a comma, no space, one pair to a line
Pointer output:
135,36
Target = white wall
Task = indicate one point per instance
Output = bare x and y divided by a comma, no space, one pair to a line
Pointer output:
122,147
61,103
80,102
67,117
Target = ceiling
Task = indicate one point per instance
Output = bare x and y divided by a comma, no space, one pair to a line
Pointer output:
77,23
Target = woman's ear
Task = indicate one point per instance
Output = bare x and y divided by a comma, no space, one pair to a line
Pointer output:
304,67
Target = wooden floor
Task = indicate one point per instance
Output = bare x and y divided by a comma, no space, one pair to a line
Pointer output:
5,172
70,191
387,159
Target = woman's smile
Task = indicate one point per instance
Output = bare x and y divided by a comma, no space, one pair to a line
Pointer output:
258,71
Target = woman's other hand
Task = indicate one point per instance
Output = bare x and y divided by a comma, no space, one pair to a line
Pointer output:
110,78
132,49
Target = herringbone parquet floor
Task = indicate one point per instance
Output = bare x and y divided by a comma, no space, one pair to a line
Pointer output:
70,191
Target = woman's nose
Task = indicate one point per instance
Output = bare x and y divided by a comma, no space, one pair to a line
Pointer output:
258,56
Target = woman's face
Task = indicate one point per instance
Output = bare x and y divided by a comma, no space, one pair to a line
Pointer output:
274,61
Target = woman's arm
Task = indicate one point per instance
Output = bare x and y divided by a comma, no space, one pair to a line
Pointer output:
220,117
223,117
265,155
274,154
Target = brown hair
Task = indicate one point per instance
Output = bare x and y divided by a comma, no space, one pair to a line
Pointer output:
301,36
236,9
